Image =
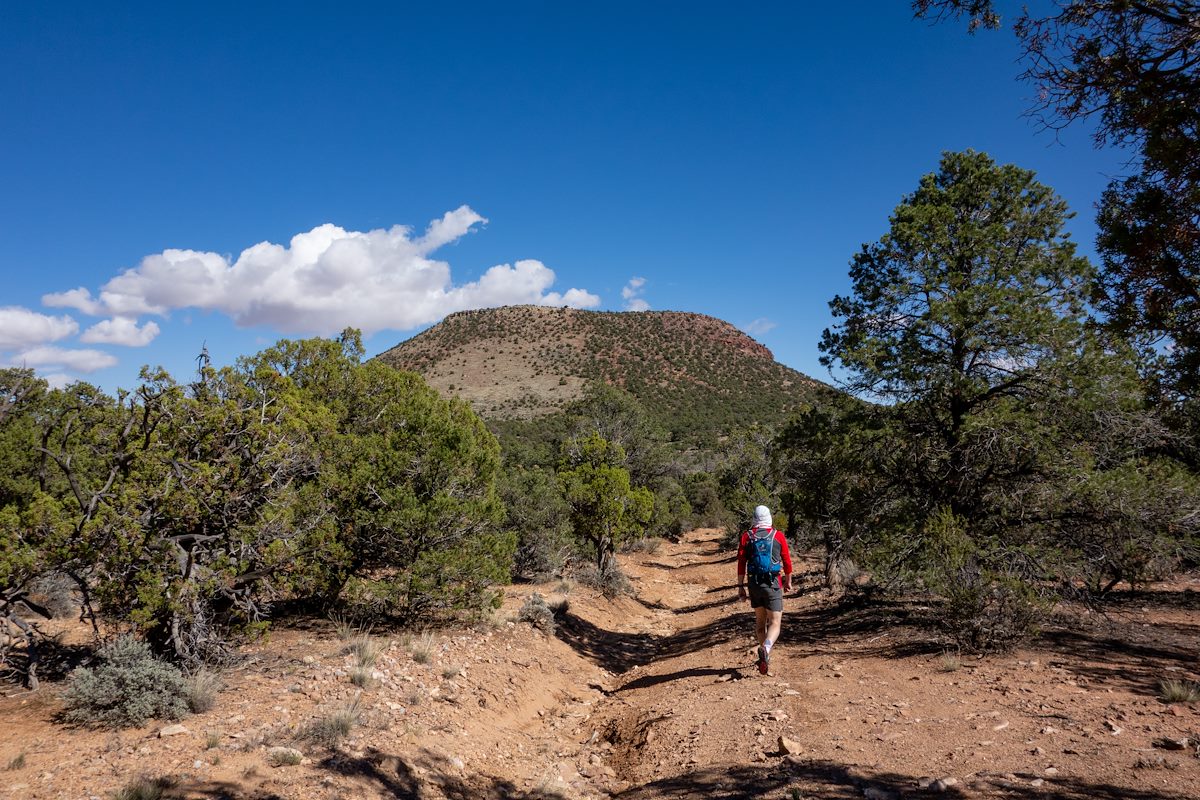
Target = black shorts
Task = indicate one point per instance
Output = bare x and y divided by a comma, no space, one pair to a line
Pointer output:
765,593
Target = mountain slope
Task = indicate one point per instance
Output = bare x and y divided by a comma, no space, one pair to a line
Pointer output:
694,374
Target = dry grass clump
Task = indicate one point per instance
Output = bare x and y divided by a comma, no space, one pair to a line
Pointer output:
144,789
201,689
16,763
949,662
328,731
363,677
284,757
344,627
422,648
1174,690
365,649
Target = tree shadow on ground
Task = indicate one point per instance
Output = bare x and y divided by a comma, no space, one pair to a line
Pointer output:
1186,600
861,625
214,790
620,652
1127,656
647,681
853,626
409,777
824,779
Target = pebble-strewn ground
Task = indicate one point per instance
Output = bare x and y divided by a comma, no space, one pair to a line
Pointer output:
656,696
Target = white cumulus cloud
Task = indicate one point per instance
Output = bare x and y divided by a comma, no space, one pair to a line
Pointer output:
759,326
122,331
20,327
63,358
632,293
325,280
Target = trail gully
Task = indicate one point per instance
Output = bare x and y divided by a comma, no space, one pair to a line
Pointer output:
860,699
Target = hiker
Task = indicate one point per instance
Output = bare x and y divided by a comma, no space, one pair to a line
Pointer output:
765,564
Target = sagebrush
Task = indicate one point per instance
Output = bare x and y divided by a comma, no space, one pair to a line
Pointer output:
129,687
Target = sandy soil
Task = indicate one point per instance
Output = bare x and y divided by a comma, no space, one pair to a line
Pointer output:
656,696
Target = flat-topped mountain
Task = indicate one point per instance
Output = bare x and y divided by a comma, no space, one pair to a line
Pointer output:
692,373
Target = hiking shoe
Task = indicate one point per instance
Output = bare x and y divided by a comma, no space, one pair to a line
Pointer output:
763,657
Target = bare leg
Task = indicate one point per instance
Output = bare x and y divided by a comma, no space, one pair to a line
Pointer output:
772,632
760,624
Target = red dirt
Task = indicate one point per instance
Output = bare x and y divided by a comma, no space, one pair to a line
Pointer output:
656,696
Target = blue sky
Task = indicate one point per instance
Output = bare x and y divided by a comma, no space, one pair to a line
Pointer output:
157,161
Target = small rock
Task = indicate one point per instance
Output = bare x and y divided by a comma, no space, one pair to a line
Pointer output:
942,784
1001,726
1167,743
789,746
172,730
879,793
457,763
1051,771
1036,782
1049,729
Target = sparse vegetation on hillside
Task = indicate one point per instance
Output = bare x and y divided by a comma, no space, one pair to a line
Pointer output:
696,377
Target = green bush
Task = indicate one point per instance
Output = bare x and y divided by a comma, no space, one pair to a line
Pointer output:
129,687
987,613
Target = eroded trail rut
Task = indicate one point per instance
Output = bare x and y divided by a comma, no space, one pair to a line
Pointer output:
687,713
859,702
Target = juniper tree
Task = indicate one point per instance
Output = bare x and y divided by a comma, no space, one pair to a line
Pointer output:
968,321
605,507
1133,70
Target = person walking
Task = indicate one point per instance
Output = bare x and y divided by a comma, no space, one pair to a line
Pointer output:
765,565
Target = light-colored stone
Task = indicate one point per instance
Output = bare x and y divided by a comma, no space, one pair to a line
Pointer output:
284,756
789,746
172,730
942,784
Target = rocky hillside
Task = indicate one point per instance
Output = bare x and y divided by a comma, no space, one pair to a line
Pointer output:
695,374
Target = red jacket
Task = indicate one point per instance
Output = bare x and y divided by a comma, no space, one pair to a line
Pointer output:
784,555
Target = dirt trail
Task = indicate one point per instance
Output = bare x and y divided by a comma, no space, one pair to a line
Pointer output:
656,696
867,705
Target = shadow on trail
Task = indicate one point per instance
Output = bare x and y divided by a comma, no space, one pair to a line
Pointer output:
646,681
824,779
852,626
409,777
620,652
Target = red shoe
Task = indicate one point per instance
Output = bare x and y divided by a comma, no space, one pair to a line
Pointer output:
764,656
